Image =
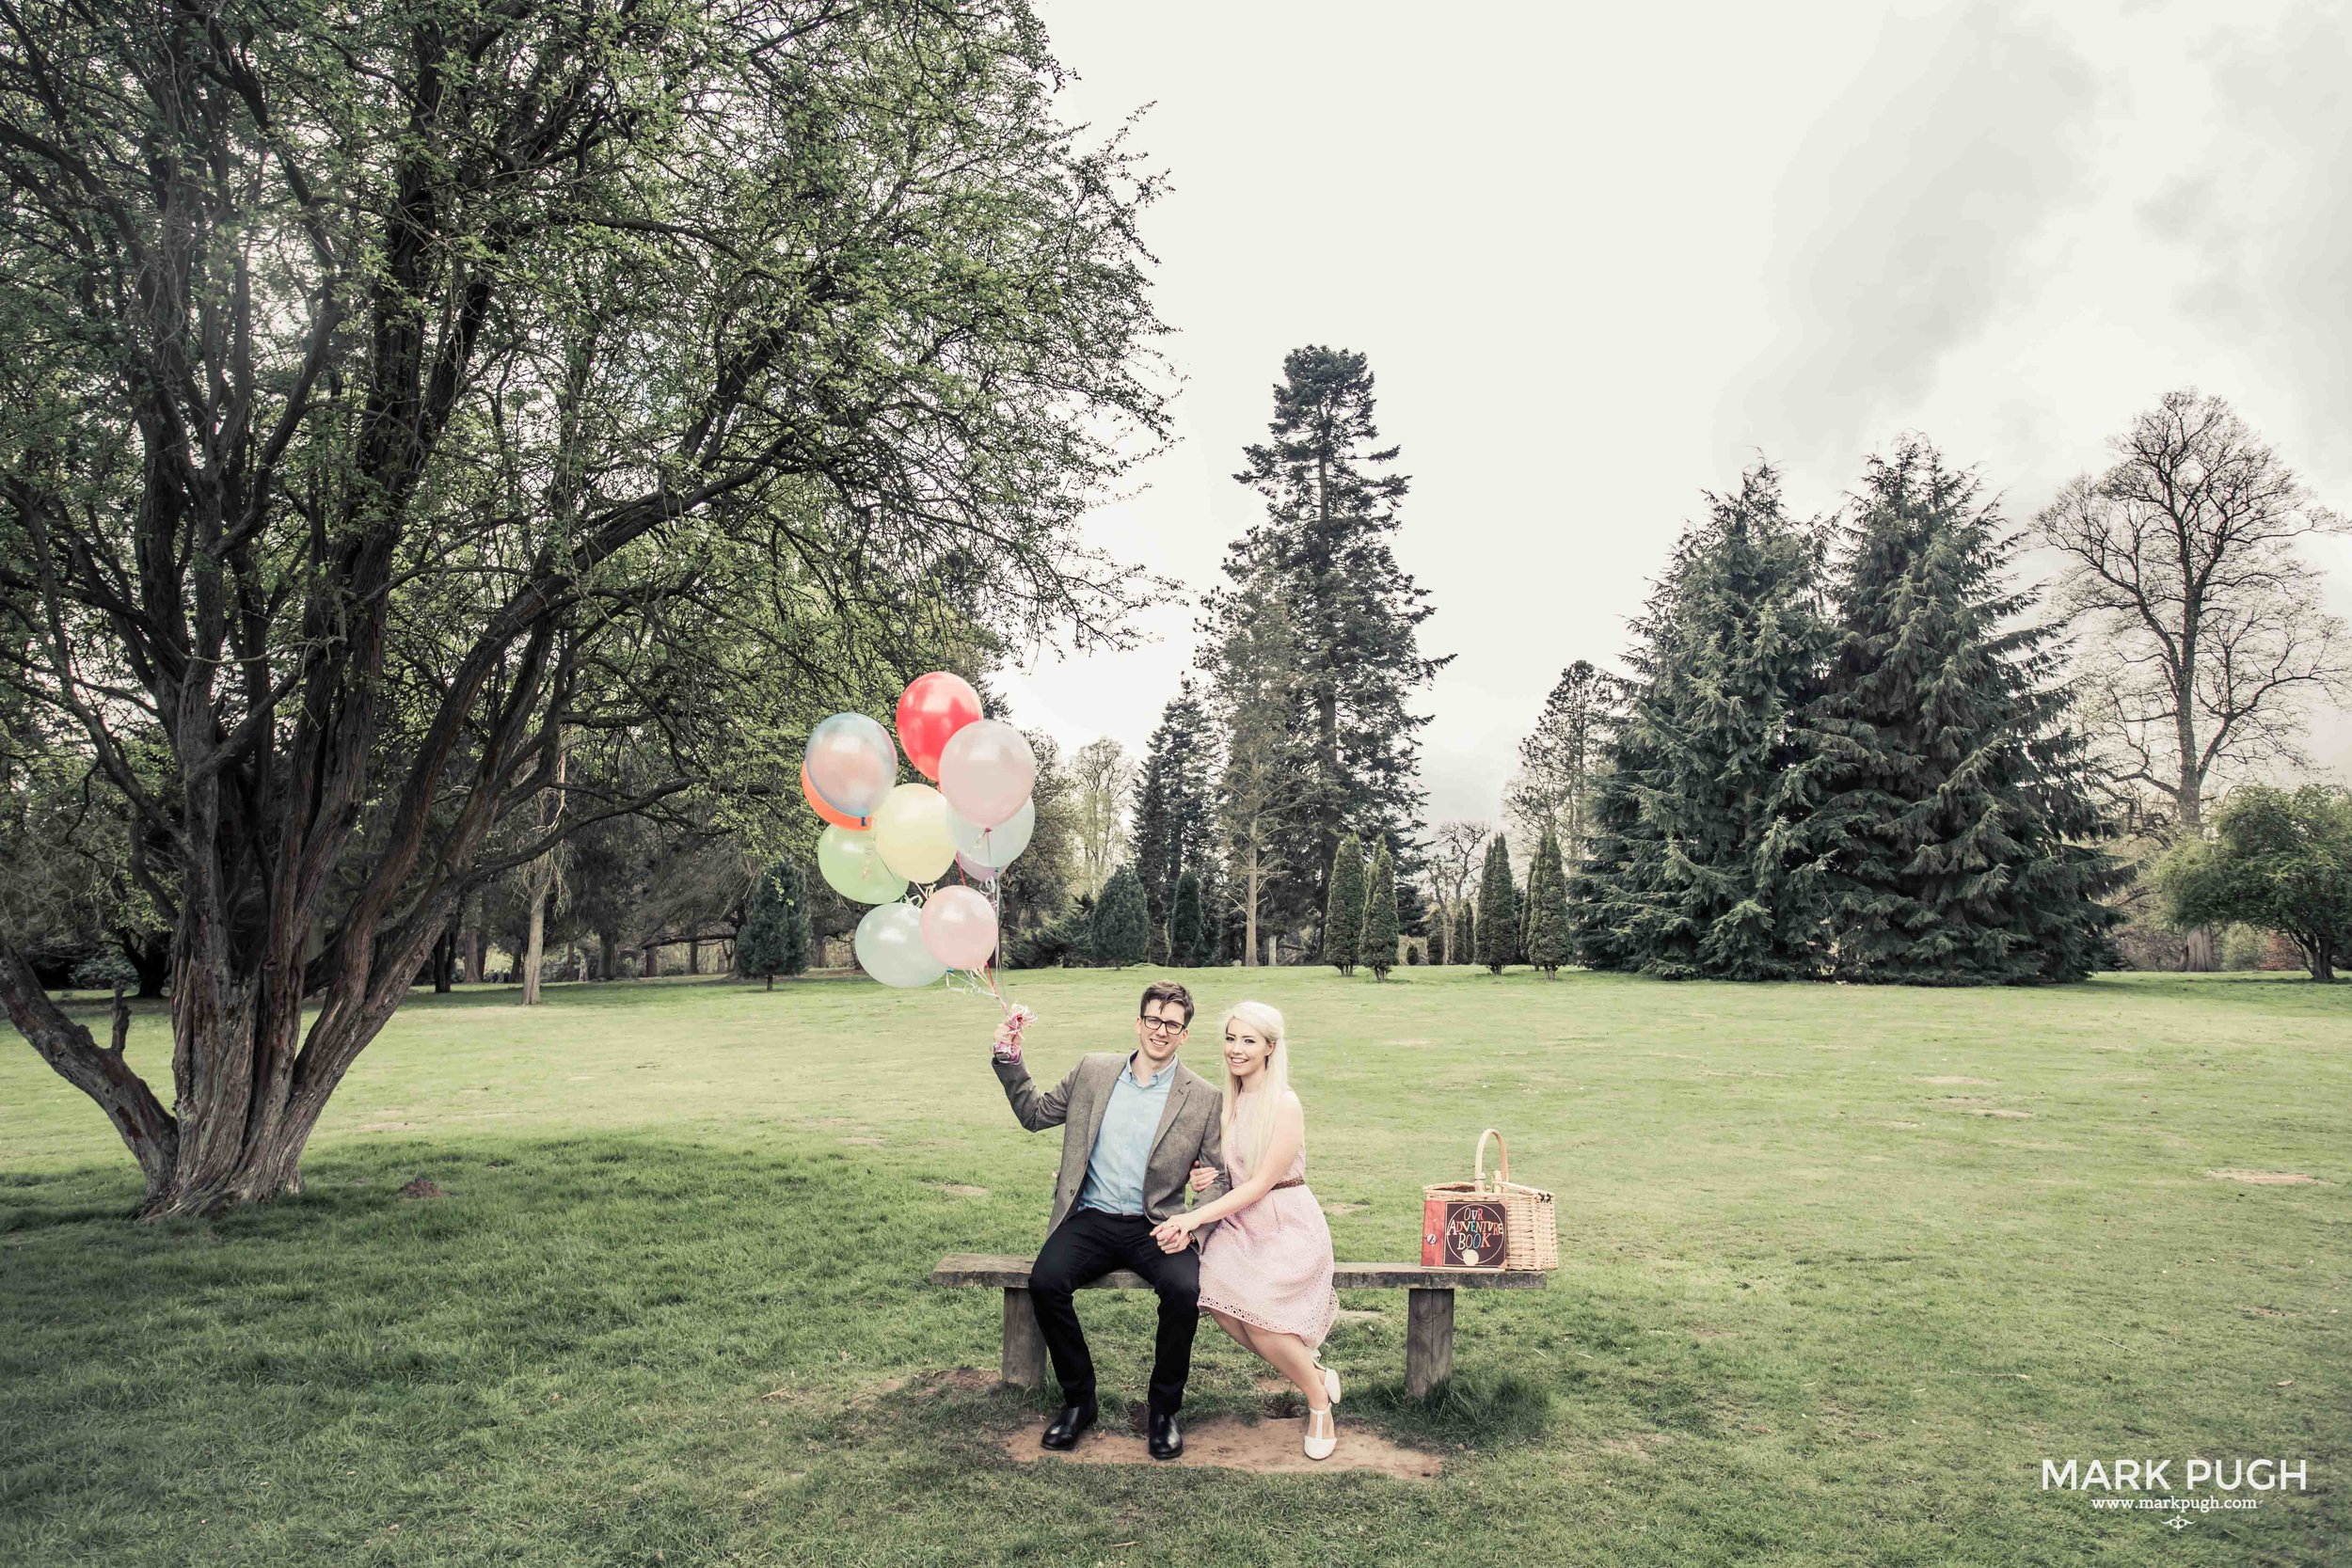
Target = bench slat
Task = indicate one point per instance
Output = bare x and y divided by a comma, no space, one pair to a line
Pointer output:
1010,1271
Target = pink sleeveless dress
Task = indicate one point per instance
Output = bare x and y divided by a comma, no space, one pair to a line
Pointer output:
1270,1264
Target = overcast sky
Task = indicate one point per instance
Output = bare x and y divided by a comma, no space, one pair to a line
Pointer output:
1600,257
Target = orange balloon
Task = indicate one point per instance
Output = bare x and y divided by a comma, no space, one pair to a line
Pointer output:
816,804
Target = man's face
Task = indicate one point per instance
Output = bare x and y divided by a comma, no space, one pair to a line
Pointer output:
1160,1032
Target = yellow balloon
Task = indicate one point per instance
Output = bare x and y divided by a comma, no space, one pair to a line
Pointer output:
910,830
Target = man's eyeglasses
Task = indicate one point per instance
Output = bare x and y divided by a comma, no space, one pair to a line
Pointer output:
1163,1025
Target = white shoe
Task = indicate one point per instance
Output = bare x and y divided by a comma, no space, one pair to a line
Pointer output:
1321,1446
1330,1382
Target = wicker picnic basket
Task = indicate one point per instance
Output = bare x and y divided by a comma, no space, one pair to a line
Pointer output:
1459,1219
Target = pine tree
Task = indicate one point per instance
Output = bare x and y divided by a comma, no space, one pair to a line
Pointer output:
1704,863
1549,790
1343,920
1465,949
1187,932
1324,551
1378,942
1122,932
1958,831
774,938
1174,808
1498,927
1549,941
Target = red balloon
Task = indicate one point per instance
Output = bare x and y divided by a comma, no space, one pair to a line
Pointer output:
932,708
816,804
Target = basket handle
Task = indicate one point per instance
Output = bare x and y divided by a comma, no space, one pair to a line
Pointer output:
1502,1165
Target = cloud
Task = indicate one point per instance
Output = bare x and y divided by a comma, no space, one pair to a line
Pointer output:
2264,210
1908,221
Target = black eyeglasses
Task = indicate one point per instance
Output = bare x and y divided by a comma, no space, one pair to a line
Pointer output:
1164,1026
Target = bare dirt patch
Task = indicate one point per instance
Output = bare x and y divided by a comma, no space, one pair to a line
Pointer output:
1641,1444
863,1143
2263,1177
1360,1315
961,1189
1946,1078
1336,1209
1222,1442
1976,1106
1906,1124
2002,1112
423,1186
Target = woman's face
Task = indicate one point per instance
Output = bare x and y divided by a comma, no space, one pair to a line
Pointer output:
1246,1051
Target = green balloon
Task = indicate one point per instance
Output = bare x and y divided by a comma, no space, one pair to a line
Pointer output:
854,867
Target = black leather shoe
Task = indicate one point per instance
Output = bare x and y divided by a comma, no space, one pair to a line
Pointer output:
1069,1422
1166,1440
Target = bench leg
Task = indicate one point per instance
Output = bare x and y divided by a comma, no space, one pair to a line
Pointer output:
1428,1340
1025,1347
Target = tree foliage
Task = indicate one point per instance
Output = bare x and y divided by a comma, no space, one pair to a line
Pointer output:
1376,946
2279,860
1189,936
774,938
1324,554
392,390
1120,933
1703,868
1549,941
1954,817
1343,921
1498,913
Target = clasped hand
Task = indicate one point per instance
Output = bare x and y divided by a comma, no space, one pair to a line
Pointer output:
1175,1234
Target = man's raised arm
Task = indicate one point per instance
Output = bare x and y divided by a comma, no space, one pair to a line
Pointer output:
1037,1112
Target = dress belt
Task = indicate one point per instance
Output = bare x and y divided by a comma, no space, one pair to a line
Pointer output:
1293,1181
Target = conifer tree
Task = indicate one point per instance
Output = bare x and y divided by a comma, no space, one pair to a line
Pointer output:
1377,944
1324,549
775,938
1498,927
1958,830
1173,808
1465,949
1704,864
1186,929
1344,919
1548,940
1121,929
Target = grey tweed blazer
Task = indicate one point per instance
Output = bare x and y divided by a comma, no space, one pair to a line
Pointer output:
1187,1131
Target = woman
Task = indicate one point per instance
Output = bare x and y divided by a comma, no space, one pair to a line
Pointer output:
1265,1272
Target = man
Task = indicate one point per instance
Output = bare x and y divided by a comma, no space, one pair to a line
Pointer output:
1132,1127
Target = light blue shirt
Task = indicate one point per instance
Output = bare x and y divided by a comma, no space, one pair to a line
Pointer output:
1123,1144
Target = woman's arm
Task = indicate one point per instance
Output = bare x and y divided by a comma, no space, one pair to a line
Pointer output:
1290,1136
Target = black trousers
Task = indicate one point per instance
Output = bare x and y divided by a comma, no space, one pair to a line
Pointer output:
1088,1244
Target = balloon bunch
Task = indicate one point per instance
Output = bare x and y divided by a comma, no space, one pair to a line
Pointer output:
881,835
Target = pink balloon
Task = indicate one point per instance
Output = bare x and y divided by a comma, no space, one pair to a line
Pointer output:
986,770
976,870
959,927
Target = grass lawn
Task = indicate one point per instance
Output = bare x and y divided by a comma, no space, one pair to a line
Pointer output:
1840,1268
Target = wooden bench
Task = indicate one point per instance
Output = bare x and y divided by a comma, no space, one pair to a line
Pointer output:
1428,1297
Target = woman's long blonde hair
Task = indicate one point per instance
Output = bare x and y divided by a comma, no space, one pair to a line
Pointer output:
1273,1079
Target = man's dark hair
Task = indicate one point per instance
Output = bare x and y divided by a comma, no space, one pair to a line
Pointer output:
1165,991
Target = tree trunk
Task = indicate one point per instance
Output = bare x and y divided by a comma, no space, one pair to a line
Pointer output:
543,881
444,962
608,957
1250,943
652,966
150,955
473,956
2199,950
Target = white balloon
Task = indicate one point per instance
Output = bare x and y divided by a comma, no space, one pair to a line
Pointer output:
993,846
889,944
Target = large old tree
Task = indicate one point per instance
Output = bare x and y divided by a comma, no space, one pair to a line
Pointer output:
399,397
